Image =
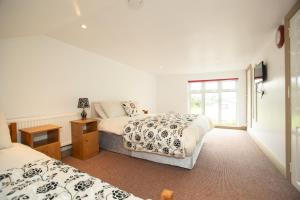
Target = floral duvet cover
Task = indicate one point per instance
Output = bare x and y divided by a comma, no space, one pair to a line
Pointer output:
48,179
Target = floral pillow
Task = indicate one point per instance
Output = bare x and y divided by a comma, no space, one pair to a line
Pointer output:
130,108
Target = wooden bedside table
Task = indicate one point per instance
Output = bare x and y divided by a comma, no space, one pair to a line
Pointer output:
49,146
85,138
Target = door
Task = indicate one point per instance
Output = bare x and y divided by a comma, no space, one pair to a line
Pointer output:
249,97
294,36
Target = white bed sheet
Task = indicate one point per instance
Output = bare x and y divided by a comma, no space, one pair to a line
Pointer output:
17,155
192,135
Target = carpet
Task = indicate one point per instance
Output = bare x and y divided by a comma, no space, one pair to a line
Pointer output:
230,167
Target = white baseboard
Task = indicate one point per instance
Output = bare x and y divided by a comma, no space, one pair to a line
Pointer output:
268,153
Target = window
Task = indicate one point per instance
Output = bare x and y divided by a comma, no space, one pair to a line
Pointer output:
211,85
196,103
212,105
217,99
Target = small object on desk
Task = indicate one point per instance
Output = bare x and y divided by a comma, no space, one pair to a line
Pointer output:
145,111
85,138
83,103
49,146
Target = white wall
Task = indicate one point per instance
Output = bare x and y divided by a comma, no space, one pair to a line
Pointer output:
42,76
269,129
172,91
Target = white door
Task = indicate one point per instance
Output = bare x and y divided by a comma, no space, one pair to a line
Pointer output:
295,96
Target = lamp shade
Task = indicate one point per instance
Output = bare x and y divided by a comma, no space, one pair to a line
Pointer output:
83,103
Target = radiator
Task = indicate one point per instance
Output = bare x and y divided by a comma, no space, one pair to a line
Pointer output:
62,120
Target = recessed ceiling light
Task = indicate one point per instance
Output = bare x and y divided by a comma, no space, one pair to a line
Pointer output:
161,67
83,26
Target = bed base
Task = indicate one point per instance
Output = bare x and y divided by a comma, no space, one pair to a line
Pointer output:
114,143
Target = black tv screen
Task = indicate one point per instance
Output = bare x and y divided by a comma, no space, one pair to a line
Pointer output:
260,72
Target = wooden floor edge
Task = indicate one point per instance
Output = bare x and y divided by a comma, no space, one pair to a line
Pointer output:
269,154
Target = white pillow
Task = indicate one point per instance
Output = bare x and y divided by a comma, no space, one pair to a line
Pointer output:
5,140
130,108
113,109
139,107
100,111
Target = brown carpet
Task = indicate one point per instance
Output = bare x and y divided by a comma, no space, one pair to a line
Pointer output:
230,166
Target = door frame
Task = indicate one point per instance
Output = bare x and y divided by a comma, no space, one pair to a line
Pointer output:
250,82
288,132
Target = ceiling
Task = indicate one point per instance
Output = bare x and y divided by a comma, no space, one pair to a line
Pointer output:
163,36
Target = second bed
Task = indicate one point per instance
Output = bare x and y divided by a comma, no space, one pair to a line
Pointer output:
193,137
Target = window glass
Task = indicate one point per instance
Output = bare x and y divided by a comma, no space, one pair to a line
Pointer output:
196,86
211,85
212,106
196,103
228,108
229,85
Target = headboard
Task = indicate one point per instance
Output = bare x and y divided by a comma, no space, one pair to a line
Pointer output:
93,111
13,131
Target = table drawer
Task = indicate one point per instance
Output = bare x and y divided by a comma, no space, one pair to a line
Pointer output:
52,150
42,149
90,144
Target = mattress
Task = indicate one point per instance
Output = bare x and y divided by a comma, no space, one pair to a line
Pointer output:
192,135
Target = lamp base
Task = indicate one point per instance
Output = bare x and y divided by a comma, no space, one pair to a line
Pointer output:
83,115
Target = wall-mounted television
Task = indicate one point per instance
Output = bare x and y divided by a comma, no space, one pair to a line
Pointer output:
260,72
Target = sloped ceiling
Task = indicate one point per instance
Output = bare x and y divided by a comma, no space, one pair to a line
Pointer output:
163,36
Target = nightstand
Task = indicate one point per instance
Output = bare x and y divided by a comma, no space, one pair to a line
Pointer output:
85,138
48,142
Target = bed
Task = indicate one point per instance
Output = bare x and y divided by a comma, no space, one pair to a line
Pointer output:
112,137
28,174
